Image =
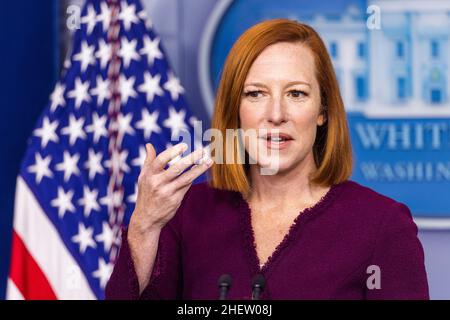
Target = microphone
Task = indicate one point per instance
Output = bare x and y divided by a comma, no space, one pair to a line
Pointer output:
224,284
258,284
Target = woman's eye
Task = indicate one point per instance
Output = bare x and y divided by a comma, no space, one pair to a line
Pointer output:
253,94
297,93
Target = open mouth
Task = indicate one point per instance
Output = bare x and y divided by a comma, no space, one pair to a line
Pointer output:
277,141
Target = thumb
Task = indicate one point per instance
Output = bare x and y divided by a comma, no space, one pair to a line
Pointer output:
151,153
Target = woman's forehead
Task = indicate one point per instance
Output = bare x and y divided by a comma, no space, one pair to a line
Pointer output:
283,62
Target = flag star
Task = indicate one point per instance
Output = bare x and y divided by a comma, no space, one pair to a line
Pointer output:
98,127
84,238
107,201
93,164
63,202
41,167
103,272
102,90
90,19
175,122
126,88
133,197
143,16
57,97
47,132
104,52
124,125
151,86
80,92
107,236
74,129
105,16
128,51
69,165
85,56
139,161
118,161
89,201
149,123
128,15
117,198
173,86
151,49
111,200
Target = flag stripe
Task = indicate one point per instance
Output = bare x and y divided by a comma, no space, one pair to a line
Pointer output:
77,184
24,268
49,252
12,292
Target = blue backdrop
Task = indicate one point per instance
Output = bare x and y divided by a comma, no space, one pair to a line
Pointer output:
29,66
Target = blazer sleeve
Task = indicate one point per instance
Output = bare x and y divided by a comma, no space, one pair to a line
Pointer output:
400,257
166,279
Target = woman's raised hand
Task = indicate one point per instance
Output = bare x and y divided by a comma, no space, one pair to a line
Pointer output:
160,190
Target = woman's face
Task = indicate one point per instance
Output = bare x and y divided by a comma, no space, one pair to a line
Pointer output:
281,94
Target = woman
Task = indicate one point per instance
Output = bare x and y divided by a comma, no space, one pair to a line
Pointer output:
305,228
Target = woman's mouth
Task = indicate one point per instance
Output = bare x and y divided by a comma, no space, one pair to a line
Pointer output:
278,141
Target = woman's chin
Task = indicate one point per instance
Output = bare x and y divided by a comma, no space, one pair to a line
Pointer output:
272,166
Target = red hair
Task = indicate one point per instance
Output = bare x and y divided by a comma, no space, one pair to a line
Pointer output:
332,148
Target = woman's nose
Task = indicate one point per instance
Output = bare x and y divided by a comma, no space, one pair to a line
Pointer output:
276,112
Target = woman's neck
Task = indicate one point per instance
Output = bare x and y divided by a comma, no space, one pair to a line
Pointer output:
285,189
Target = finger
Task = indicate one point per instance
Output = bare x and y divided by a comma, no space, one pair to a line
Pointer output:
164,157
189,176
151,153
184,163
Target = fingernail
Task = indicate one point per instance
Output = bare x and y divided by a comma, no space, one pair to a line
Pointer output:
209,161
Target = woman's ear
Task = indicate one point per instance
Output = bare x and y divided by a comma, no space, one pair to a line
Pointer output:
322,118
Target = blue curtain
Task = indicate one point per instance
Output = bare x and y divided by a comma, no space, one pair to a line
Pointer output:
29,64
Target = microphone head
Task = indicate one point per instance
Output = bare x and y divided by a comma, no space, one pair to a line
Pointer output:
258,281
224,281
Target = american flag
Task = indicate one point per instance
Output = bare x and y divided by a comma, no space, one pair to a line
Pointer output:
77,184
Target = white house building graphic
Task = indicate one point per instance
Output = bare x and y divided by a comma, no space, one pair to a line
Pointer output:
402,68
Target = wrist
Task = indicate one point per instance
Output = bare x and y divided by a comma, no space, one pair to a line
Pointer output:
137,230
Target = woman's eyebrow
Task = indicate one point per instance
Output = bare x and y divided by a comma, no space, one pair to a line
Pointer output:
291,83
256,84
297,82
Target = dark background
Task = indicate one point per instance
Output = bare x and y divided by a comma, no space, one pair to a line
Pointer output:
29,64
